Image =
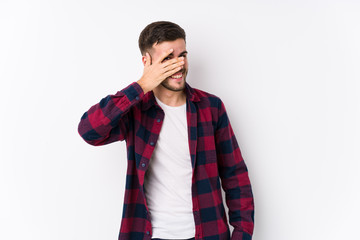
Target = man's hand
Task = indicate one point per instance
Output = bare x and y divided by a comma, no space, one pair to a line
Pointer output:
156,72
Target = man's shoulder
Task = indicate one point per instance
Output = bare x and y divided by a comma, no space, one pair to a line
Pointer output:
207,97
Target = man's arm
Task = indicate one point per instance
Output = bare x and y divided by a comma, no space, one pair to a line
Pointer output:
234,179
107,121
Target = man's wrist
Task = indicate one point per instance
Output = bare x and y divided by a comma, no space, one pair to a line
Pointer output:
143,86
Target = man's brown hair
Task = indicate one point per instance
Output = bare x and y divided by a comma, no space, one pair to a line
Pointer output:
158,32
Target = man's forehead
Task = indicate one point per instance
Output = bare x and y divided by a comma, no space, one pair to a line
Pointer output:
177,45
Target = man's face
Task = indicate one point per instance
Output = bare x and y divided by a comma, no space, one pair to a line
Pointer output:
176,82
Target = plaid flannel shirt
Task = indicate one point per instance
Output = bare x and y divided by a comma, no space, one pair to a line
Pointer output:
136,117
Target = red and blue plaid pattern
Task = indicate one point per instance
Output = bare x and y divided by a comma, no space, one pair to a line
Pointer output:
215,155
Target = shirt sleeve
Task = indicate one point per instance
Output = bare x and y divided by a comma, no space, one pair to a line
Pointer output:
234,179
107,121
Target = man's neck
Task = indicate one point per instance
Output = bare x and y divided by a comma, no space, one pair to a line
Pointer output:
170,98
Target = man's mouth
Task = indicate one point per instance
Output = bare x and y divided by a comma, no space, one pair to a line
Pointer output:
177,75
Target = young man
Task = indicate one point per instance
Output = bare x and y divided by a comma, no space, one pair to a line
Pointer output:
179,145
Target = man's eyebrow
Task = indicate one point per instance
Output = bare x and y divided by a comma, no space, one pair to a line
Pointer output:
171,54
184,52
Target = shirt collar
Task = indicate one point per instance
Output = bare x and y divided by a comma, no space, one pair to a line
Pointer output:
149,98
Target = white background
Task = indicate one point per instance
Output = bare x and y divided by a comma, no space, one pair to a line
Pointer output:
287,71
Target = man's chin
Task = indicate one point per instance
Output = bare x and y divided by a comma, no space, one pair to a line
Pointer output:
171,87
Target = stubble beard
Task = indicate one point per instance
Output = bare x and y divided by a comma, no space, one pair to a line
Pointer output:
166,84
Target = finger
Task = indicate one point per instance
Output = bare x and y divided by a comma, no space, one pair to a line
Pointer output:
171,72
176,64
172,61
148,59
164,55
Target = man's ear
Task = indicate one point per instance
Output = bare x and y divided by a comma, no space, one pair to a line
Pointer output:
143,59
146,59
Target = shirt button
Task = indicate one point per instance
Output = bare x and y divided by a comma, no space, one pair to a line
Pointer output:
143,164
152,143
158,120
137,97
147,232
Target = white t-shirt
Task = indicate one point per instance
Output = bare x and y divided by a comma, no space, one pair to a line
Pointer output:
168,179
